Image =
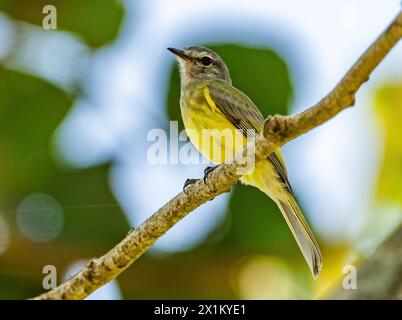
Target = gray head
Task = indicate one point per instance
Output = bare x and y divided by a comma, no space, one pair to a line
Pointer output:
200,63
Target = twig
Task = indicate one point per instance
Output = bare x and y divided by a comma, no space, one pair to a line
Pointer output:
278,130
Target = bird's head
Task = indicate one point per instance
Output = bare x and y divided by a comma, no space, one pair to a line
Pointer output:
200,63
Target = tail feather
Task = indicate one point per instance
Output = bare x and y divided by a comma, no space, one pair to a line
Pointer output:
302,233
271,178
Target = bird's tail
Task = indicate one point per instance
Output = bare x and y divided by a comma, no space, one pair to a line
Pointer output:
267,178
302,233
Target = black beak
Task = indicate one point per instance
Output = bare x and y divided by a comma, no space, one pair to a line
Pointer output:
179,53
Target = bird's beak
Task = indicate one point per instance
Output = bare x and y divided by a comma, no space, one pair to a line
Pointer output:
179,53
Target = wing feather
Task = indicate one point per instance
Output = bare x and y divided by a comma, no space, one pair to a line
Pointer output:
244,115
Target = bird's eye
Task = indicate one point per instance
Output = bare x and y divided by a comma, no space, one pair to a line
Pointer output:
206,61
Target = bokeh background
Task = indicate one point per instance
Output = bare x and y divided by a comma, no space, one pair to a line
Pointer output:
77,103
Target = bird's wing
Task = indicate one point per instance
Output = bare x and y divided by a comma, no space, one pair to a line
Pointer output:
243,114
235,105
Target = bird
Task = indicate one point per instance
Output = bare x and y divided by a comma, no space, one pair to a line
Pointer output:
209,101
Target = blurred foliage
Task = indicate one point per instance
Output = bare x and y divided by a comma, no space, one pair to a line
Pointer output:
388,101
96,21
331,276
256,224
30,111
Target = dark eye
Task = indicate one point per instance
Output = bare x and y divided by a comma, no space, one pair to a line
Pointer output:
206,61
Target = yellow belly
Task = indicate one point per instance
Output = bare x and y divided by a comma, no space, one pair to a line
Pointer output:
218,140
211,133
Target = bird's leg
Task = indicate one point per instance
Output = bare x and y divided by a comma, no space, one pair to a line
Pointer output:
188,183
207,171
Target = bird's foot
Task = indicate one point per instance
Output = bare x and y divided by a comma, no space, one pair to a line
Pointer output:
188,183
207,171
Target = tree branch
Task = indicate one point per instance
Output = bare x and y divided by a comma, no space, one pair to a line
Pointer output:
278,130
387,262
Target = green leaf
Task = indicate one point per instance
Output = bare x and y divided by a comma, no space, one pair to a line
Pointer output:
30,111
96,21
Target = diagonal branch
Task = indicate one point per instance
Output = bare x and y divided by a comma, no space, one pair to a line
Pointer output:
278,130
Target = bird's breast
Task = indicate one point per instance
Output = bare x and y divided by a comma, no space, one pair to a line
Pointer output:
208,129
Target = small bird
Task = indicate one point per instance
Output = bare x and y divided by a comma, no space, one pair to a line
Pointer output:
208,101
